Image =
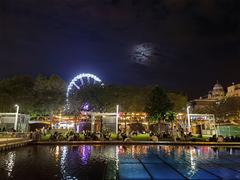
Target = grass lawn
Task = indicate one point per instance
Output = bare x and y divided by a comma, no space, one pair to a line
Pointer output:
141,137
114,136
81,136
46,137
197,138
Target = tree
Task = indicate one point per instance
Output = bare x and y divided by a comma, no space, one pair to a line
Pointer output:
133,99
170,117
105,98
229,109
179,101
42,95
97,98
49,93
226,109
16,90
157,105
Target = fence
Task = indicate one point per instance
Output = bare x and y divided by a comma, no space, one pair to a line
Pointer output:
228,130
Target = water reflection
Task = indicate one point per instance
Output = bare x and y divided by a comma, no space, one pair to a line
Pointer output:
193,155
57,153
85,153
64,150
117,158
10,160
88,162
134,150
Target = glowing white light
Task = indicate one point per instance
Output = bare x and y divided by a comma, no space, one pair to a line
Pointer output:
143,53
80,81
63,161
76,85
10,162
81,78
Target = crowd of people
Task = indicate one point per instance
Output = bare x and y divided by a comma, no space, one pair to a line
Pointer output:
174,134
5,130
220,138
106,135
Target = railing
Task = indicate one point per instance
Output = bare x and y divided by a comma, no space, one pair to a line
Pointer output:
228,130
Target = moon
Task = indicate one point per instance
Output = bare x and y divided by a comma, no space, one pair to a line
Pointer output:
143,54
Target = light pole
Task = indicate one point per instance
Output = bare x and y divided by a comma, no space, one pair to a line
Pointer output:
117,115
16,117
188,118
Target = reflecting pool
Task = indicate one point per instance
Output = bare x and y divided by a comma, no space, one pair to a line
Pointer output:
120,162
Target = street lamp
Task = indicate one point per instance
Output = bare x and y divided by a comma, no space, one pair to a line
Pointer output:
16,117
188,118
117,115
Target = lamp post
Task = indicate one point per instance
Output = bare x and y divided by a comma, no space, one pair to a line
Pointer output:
16,117
188,118
117,115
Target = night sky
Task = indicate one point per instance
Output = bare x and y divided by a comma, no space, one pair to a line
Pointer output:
195,42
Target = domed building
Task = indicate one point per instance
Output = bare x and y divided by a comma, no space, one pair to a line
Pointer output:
217,93
214,96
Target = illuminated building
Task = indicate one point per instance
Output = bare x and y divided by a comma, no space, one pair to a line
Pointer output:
93,121
7,121
203,105
233,90
203,124
217,93
214,96
133,121
77,123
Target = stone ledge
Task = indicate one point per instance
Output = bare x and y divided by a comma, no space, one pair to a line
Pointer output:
135,143
7,145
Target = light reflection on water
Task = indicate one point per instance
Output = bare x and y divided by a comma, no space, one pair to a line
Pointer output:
57,153
10,162
87,162
63,160
85,152
117,158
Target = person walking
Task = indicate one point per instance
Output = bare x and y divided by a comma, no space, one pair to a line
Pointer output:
174,134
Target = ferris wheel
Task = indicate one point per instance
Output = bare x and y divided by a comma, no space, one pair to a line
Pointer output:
82,80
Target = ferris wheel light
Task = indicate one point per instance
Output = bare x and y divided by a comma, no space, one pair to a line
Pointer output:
80,77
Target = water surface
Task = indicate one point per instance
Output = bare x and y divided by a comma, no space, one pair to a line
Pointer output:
120,162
